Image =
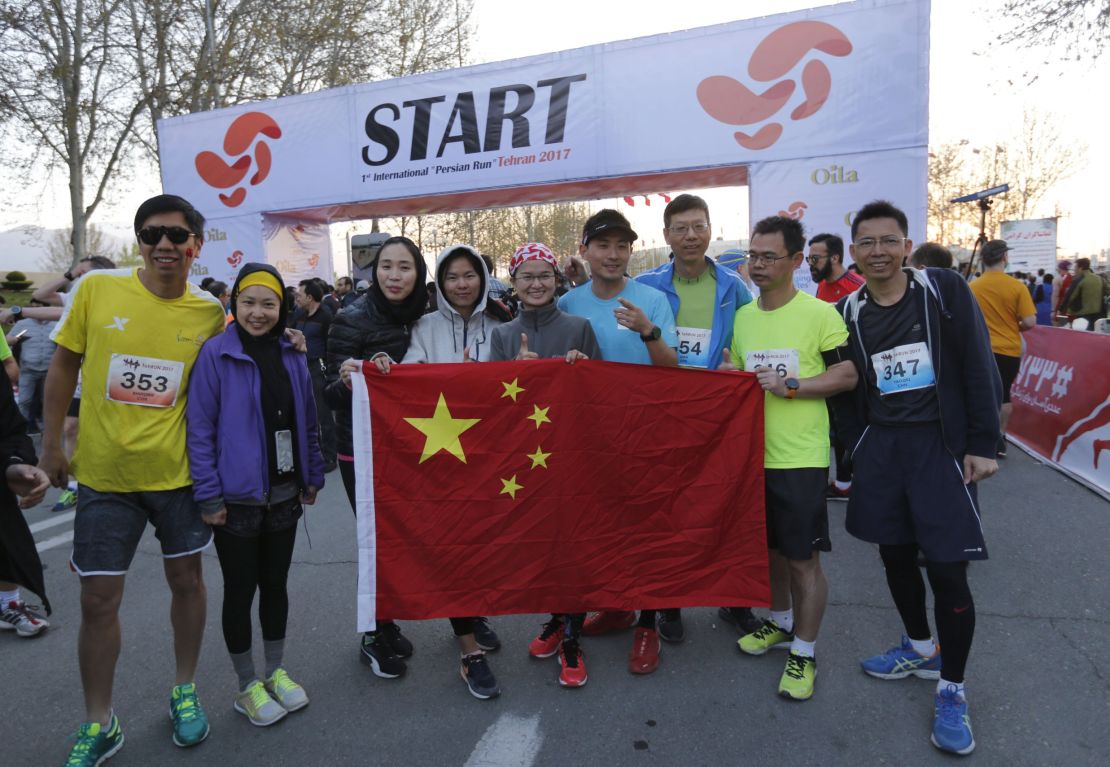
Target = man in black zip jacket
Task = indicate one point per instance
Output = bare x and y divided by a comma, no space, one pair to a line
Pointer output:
924,422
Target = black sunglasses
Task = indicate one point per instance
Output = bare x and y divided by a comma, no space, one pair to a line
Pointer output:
152,235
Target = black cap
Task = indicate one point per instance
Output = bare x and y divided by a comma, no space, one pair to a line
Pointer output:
607,220
993,250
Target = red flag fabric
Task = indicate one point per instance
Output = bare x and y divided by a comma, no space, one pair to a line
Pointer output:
538,486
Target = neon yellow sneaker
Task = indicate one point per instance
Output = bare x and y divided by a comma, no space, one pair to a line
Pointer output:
96,744
769,636
289,695
797,679
190,723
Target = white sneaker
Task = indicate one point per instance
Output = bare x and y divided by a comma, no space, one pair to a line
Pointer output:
256,704
289,695
23,619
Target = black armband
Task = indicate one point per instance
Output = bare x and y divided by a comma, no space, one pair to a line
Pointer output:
834,356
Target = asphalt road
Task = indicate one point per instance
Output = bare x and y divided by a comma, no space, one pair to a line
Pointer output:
1038,685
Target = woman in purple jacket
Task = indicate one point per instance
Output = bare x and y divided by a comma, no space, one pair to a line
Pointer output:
254,455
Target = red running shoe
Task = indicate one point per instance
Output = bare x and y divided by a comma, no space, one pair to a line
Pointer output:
644,657
602,623
547,643
572,666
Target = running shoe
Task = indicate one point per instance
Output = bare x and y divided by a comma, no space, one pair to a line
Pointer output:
475,671
256,705
485,636
67,500
602,623
377,652
741,618
670,626
644,657
547,643
902,661
96,744
797,679
401,646
768,637
289,695
572,666
951,725
834,493
190,725
23,619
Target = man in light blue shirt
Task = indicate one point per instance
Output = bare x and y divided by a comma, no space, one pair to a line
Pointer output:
632,322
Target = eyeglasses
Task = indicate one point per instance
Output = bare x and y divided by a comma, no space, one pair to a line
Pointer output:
815,259
152,235
546,278
682,229
764,258
889,242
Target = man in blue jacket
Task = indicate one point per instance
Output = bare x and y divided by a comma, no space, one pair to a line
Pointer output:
924,422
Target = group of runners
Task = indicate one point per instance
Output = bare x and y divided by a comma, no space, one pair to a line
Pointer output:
212,434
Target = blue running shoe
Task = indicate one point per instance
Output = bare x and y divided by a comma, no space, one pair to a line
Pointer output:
96,744
952,727
190,724
901,662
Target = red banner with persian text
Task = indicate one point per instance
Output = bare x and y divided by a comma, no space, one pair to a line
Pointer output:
1061,400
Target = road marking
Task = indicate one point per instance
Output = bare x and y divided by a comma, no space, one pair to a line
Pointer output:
61,519
56,541
511,741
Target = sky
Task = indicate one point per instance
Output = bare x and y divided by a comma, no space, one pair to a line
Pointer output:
976,94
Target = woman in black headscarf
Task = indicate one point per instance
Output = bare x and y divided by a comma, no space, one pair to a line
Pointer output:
379,323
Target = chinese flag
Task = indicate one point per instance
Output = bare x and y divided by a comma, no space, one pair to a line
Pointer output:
538,486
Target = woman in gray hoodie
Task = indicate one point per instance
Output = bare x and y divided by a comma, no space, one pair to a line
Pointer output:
464,317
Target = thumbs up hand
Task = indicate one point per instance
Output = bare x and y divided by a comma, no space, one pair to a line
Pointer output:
524,354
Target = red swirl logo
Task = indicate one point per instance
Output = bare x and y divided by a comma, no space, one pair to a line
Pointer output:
220,174
729,101
796,211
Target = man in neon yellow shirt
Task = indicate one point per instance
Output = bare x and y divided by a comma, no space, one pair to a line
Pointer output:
797,347
134,335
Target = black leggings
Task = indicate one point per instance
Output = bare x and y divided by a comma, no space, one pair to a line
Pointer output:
953,608
250,564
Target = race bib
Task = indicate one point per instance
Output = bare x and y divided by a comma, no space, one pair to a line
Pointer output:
903,368
782,361
143,381
693,347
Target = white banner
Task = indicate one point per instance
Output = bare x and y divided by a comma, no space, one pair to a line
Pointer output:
1032,244
298,249
228,244
825,192
826,82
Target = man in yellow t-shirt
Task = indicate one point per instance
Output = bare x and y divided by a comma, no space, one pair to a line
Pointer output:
797,347
1008,309
134,336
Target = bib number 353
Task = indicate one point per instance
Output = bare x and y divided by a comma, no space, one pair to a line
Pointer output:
144,381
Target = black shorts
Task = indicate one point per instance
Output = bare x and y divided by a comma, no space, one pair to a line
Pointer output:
1008,369
251,521
907,488
797,513
74,407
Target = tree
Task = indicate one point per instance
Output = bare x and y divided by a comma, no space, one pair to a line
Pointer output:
1033,159
68,95
1078,26
59,248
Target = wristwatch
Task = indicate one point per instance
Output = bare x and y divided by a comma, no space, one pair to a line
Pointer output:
791,388
16,311
655,334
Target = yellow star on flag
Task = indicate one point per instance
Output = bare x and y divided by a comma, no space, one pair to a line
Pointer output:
539,458
442,431
539,415
511,389
509,487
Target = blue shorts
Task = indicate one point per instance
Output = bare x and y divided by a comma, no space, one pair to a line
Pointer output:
108,527
907,488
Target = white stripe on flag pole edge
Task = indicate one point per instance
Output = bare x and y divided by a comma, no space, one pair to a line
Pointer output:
56,541
511,741
363,448
61,519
